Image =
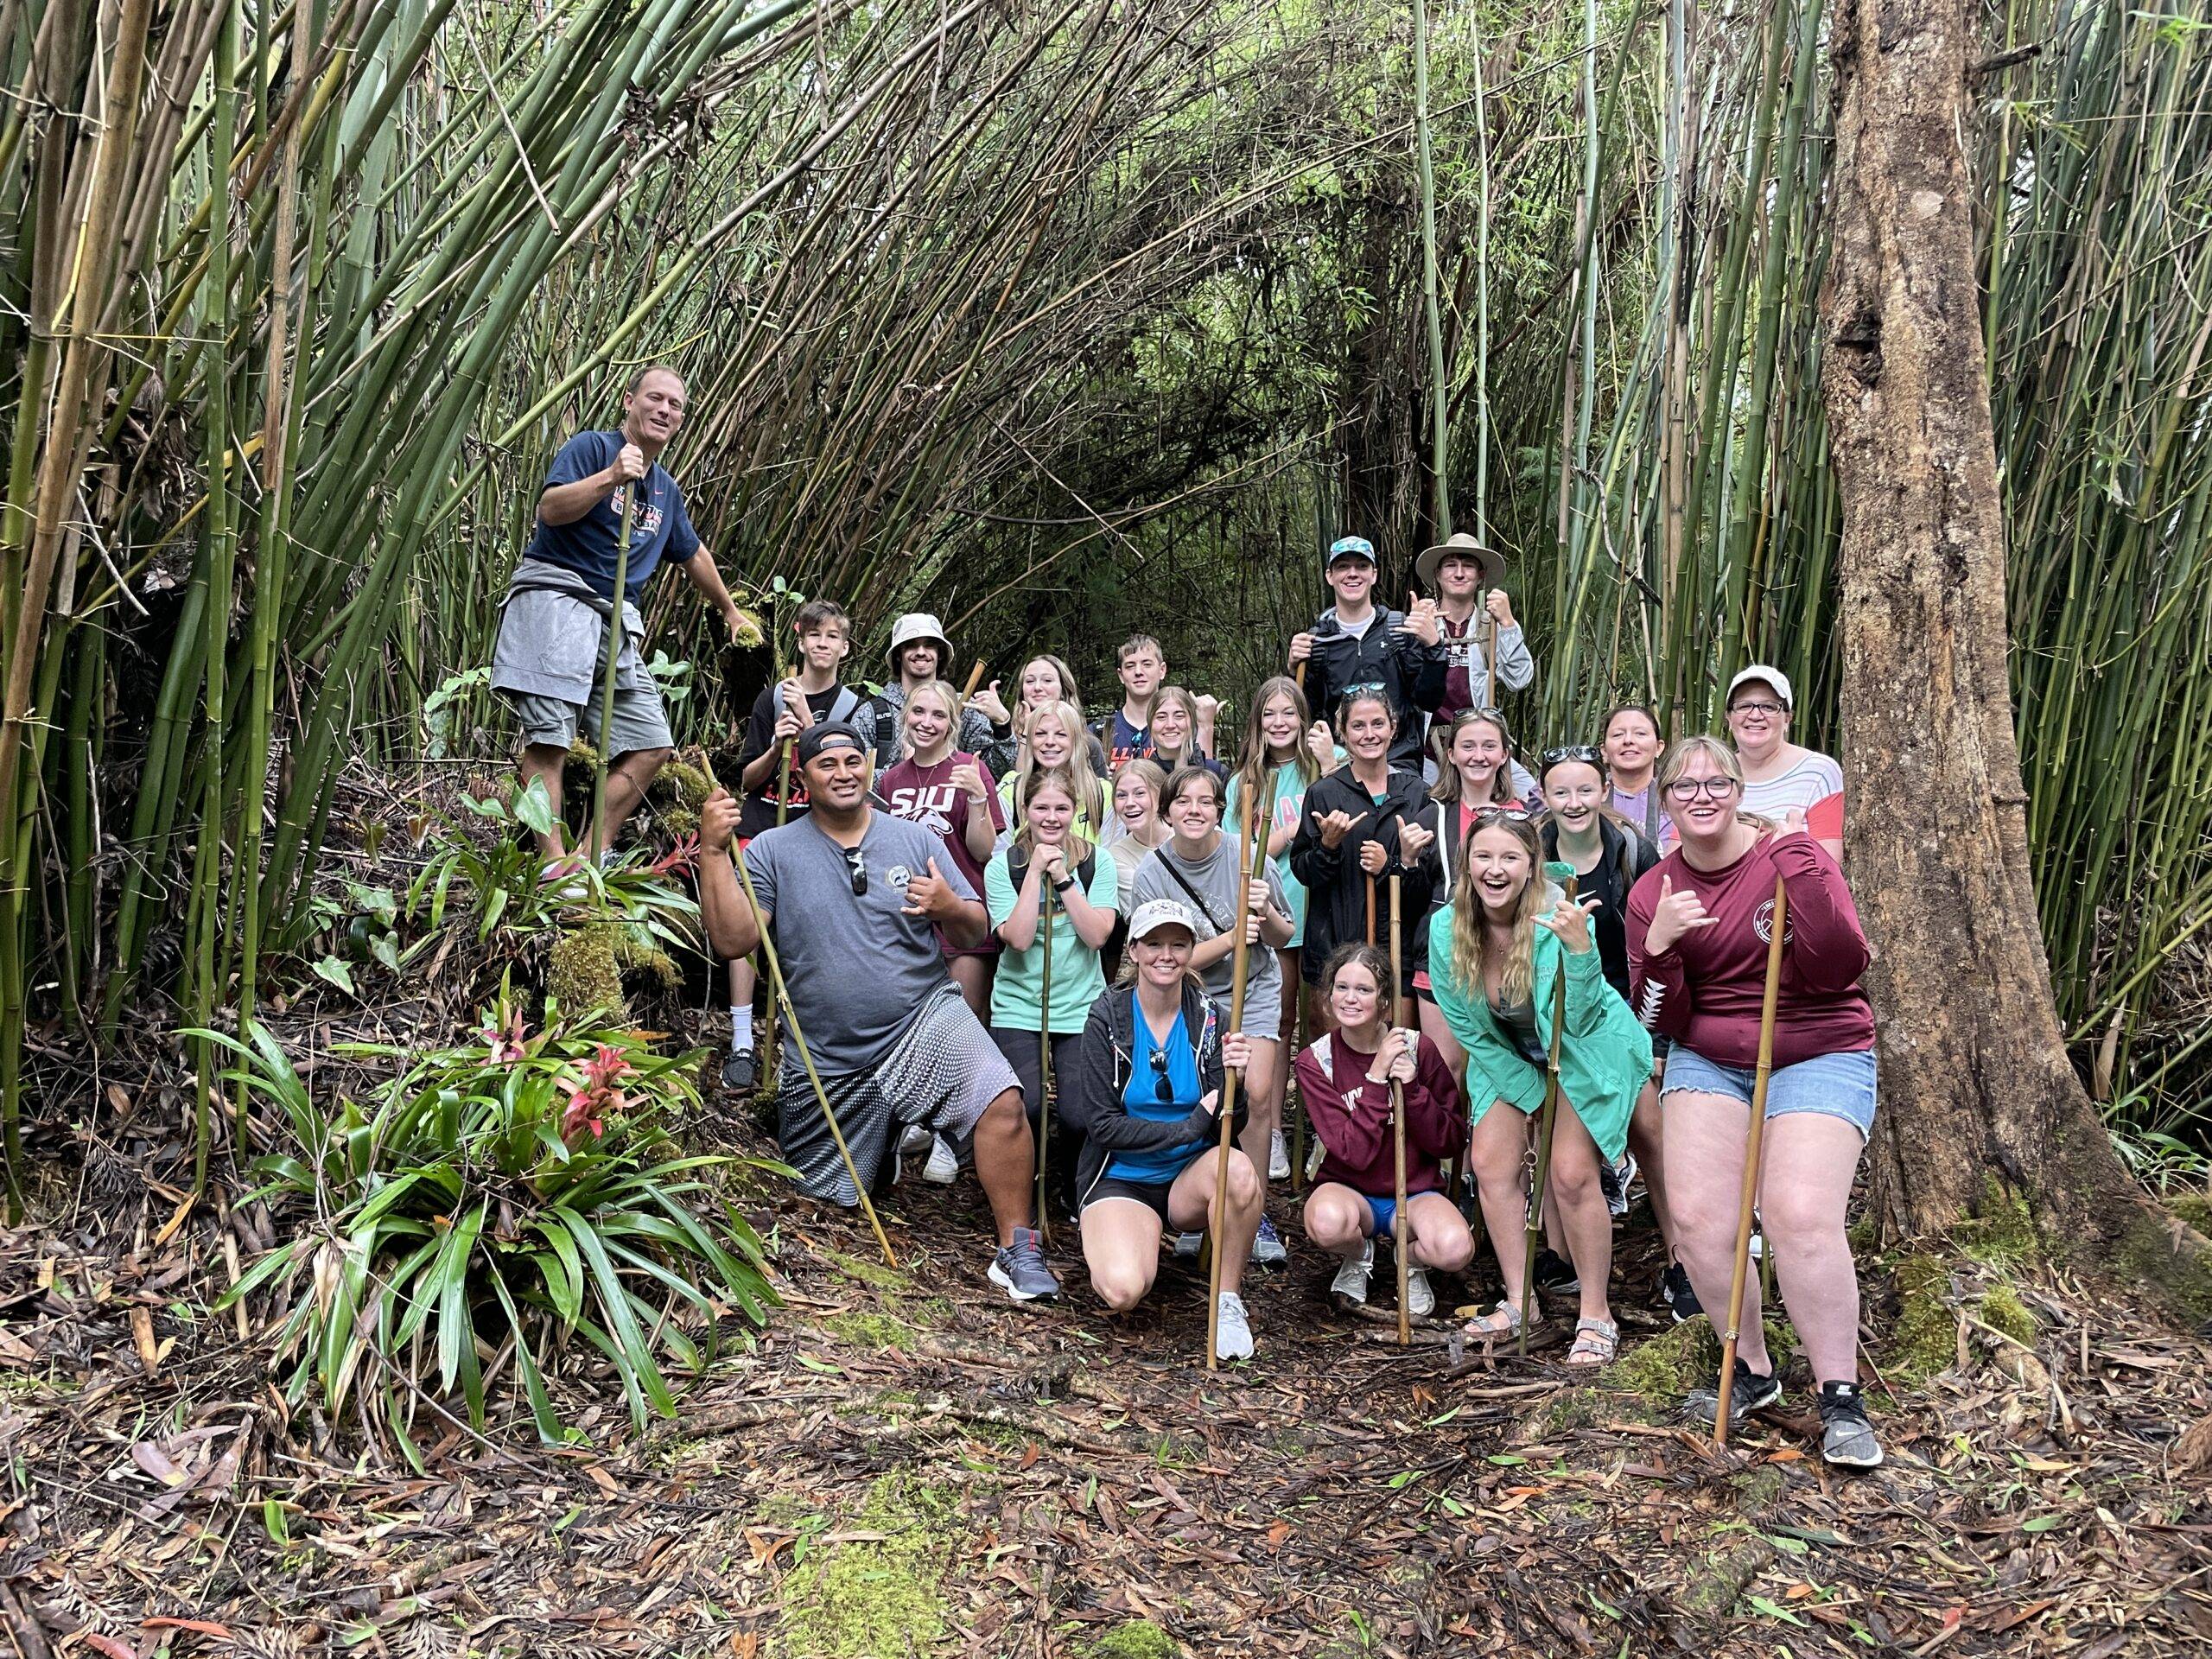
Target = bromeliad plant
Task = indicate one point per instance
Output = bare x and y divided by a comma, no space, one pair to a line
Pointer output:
489,1205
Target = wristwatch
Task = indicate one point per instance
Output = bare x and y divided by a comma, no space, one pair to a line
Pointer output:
1063,884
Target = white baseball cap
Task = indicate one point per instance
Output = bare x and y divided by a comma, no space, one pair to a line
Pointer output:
1156,913
1773,676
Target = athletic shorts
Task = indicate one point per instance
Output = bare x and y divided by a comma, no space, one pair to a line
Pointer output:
1832,1085
1151,1194
1383,1212
941,1072
640,721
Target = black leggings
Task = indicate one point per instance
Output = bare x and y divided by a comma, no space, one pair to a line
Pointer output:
1020,1048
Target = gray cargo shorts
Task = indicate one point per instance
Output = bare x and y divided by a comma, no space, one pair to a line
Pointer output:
640,721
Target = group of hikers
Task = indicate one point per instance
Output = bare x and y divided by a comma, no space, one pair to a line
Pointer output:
999,920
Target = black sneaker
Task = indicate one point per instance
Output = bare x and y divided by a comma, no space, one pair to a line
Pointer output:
1556,1275
1846,1438
1613,1180
740,1071
1675,1292
1753,1391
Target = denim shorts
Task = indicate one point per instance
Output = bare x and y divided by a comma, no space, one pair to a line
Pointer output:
1835,1085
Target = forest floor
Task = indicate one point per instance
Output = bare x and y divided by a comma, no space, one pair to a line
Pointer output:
903,1463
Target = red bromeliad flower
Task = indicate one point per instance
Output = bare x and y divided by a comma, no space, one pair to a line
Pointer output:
596,1098
677,859
506,1043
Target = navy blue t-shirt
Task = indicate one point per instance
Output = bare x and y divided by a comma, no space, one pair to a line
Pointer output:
659,527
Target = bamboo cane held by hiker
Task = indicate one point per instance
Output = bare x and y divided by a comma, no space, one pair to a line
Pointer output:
854,898
554,623
1700,927
1754,1145
1252,897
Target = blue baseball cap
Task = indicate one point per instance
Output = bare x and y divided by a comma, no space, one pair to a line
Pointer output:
1350,547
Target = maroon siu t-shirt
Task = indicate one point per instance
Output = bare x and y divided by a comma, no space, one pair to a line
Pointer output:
1705,992
927,795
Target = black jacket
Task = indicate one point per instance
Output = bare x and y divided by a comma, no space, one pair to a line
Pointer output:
1091,1089
1626,857
1410,673
1336,906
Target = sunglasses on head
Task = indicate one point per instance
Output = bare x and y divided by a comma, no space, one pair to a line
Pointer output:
1512,811
1567,752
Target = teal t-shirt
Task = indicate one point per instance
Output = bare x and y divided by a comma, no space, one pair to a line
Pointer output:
1017,991
1289,790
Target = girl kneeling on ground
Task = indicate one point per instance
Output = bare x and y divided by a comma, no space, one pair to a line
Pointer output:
1697,932
1345,1080
1144,1091
1496,954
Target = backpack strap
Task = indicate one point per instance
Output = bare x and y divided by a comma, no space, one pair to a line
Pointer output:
886,729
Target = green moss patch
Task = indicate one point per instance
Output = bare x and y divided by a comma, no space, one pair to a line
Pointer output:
2002,1233
587,969
867,1270
1136,1640
1925,1337
869,1598
2195,1209
2147,1252
874,1331
2001,1309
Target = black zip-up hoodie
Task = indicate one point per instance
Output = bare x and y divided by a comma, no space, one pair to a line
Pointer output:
1336,906
1410,673
1091,1089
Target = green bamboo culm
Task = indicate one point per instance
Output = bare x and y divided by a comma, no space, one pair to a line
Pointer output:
1439,389
615,630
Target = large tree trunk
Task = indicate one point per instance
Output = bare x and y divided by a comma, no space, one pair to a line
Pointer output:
1977,1098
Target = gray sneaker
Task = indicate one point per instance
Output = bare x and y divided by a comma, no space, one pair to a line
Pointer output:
1846,1438
1751,1392
1267,1248
1349,1288
1020,1270
1233,1333
1188,1246
1278,1158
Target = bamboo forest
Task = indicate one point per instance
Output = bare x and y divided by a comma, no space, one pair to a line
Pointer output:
646,1004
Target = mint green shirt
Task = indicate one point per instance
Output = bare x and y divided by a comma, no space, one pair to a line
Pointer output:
1288,788
1017,990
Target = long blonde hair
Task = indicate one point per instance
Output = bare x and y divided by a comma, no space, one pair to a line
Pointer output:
947,699
1256,776
1189,705
1517,979
1083,787
1035,784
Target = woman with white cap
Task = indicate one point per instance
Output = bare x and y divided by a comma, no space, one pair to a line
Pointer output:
918,653
1779,776
1144,1091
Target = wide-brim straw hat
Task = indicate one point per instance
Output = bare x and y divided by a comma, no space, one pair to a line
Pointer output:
1488,560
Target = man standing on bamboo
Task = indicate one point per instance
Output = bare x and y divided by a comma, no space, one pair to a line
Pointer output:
553,624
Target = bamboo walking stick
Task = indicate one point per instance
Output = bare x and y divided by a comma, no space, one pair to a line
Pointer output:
778,993
1044,1049
1370,910
1255,844
1490,658
595,843
1534,1234
1754,1145
1398,1226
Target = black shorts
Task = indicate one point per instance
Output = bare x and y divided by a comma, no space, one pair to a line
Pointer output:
1152,1194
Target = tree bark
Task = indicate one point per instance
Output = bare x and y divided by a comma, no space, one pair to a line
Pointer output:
1977,1097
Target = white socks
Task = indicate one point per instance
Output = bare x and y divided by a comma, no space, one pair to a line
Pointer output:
740,1029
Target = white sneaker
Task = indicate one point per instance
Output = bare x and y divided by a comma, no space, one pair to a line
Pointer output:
1350,1286
914,1140
1233,1331
1278,1158
944,1166
1420,1298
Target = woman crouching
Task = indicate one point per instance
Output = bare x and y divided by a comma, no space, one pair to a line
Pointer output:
1496,957
1345,1080
1145,1094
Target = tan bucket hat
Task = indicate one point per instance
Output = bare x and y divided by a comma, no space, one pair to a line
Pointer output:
1490,561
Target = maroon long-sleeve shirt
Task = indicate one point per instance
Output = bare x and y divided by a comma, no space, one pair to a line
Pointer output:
1351,1115
1705,992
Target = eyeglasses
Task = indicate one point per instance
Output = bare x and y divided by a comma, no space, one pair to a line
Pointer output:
1757,706
855,863
1566,752
1162,1090
1714,789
